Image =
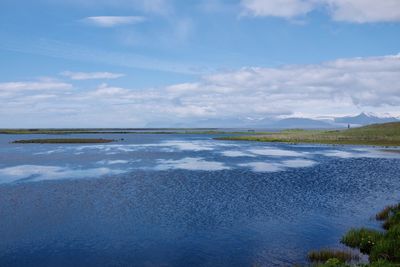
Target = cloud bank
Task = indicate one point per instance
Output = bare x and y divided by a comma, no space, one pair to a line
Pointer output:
337,87
91,75
159,7
112,21
358,11
45,84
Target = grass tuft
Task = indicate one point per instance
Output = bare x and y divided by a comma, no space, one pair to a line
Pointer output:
363,239
326,254
387,212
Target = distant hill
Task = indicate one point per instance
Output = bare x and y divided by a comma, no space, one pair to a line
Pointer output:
303,123
273,123
288,123
364,119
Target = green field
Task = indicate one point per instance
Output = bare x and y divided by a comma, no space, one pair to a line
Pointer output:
387,134
63,141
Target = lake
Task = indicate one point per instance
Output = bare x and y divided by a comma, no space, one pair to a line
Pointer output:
184,200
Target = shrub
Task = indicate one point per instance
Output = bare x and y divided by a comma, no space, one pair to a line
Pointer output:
387,248
392,220
390,215
382,263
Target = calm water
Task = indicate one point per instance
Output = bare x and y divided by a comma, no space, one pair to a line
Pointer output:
184,200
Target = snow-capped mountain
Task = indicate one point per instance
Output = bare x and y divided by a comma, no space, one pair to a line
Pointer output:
364,119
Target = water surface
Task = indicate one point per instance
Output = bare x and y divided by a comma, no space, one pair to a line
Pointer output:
184,200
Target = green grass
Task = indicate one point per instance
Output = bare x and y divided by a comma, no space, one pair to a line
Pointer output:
333,262
326,254
63,141
363,239
387,212
387,134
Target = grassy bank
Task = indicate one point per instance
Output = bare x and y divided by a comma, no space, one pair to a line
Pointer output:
387,134
382,247
63,141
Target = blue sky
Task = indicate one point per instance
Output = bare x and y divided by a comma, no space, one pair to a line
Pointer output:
131,63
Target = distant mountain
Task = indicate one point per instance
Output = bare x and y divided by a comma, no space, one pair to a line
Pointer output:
273,123
203,123
364,119
303,123
266,123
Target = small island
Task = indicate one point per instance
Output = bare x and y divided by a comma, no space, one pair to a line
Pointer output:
64,141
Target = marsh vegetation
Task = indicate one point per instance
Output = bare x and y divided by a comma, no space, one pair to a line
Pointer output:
324,255
382,247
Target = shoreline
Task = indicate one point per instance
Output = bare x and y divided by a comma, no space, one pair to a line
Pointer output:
317,142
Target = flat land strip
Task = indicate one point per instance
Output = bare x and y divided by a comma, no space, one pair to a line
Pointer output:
387,134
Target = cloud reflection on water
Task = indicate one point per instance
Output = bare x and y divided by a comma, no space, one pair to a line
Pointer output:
260,166
187,154
40,173
193,164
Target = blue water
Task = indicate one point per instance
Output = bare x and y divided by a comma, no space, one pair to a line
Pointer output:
184,200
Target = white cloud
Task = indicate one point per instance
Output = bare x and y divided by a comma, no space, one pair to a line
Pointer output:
91,75
359,11
106,91
370,81
34,85
160,7
362,11
339,87
112,21
277,8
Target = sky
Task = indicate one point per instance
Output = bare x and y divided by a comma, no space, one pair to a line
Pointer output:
182,63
